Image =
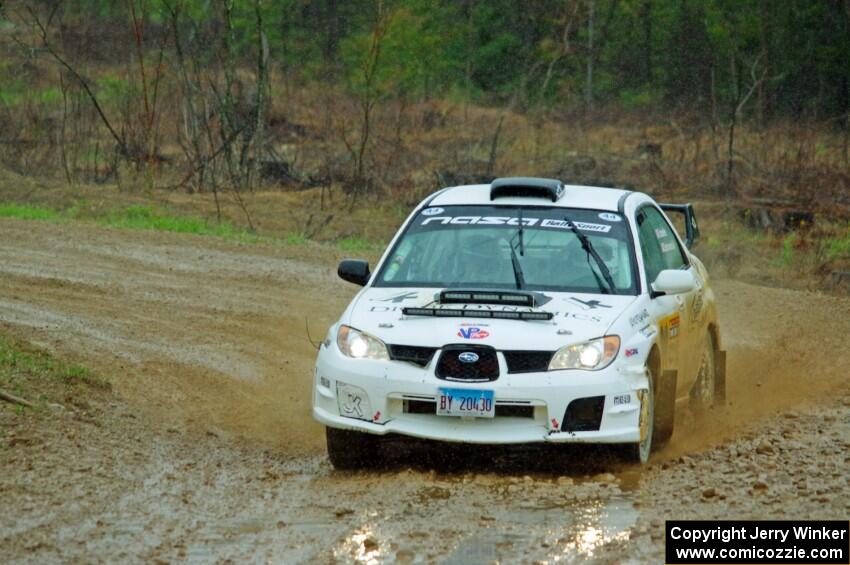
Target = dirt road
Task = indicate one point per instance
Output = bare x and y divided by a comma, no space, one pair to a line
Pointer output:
207,450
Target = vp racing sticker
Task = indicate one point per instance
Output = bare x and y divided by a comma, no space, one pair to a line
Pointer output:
472,333
432,211
609,217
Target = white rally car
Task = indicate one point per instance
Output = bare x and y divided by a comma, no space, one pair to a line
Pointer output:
518,312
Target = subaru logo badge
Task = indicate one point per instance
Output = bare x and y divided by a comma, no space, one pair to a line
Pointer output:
467,357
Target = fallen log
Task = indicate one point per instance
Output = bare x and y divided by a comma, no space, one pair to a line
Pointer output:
15,400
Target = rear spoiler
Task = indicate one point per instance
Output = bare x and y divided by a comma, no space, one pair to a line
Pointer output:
691,226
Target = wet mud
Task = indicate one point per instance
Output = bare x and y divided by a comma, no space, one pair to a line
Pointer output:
207,450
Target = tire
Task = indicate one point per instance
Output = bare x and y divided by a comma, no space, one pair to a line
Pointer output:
665,408
350,450
639,452
704,393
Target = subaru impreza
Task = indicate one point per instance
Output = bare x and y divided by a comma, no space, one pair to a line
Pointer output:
524,311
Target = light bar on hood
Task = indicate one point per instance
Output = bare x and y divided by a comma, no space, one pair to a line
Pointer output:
487,297
459,313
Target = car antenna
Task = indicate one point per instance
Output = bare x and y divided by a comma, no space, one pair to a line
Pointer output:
310,339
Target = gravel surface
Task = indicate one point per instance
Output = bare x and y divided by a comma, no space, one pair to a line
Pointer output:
206,452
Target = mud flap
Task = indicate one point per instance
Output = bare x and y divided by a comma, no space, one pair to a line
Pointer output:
719,378
665,407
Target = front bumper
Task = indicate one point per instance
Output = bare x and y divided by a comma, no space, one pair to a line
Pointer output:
392,386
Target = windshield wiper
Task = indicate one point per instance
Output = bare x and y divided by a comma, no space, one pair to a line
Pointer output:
588,248
519,233
518,275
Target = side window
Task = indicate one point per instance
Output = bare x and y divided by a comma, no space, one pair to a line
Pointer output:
658,243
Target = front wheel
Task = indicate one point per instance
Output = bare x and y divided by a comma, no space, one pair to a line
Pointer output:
349,450
639,452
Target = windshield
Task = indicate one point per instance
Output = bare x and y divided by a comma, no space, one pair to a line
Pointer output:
481,247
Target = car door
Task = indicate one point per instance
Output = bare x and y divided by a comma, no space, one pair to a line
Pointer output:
662,250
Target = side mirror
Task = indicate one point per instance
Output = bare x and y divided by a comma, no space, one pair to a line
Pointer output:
673,281
354,271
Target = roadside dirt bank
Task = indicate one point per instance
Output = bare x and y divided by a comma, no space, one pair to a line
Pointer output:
206,450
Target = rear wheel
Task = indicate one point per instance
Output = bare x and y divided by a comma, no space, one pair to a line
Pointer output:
703,395
348,449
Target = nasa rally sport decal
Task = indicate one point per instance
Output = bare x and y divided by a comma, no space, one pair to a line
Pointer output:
608,216
472,333
432,211
549,223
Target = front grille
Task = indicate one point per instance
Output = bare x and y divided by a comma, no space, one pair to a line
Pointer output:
502,411
420,407
450,368
511,411
411,353
528,361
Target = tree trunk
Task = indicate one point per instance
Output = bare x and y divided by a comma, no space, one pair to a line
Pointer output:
588,86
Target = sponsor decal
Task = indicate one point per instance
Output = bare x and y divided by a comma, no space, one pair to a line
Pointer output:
480,220
432,211
467,357
639,318
396,298
555,424
472,333
590,304
668,247
608,216
697,308
622,399
351,404
513,221
377,416
582,317
647,331
631,352
660,233
583,226
673,326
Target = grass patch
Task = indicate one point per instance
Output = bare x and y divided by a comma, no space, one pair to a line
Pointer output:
786,257
838,247
147,218
25,212
38,377
138,217
18,362
294,239
355,243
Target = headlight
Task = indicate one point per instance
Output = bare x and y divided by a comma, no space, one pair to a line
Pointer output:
360,345
591,355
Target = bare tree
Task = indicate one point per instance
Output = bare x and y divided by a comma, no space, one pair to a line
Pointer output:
368,93
588,85
757,77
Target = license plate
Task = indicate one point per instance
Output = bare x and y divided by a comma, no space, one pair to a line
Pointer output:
465,402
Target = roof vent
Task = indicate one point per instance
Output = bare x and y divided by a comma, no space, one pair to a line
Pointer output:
526,186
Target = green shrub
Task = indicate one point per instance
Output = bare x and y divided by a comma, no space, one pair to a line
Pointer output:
25,212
